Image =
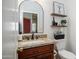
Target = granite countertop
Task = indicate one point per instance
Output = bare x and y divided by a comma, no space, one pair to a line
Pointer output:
34,43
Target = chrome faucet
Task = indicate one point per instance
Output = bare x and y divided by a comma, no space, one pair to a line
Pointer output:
32,36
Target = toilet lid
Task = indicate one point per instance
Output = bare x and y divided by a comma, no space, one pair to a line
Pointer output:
67,54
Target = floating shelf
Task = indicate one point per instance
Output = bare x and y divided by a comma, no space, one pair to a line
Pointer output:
59,15
58,26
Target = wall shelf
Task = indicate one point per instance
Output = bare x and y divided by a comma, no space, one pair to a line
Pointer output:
59,15
57,26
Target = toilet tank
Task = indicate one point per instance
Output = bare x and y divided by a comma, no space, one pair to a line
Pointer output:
61,44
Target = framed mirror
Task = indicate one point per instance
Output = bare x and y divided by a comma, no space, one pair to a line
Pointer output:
31,18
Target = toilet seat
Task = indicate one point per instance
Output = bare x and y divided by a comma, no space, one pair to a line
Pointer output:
66,54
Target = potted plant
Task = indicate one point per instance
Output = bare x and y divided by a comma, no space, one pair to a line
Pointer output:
63,22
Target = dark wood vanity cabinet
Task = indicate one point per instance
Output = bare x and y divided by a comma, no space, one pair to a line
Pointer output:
40,52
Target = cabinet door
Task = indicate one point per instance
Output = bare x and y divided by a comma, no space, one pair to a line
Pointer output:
46,56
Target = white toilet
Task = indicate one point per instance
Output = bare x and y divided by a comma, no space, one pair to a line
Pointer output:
64,54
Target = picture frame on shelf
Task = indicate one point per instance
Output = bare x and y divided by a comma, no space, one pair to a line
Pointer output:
58,8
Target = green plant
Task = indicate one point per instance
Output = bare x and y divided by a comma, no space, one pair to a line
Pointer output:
63,21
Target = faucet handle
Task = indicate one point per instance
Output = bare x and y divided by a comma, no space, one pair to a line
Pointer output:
37,36
25,38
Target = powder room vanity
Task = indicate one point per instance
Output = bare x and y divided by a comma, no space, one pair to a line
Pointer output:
40,52
39,49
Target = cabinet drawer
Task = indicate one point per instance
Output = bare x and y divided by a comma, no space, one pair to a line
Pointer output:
28,52
45,49
46,56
